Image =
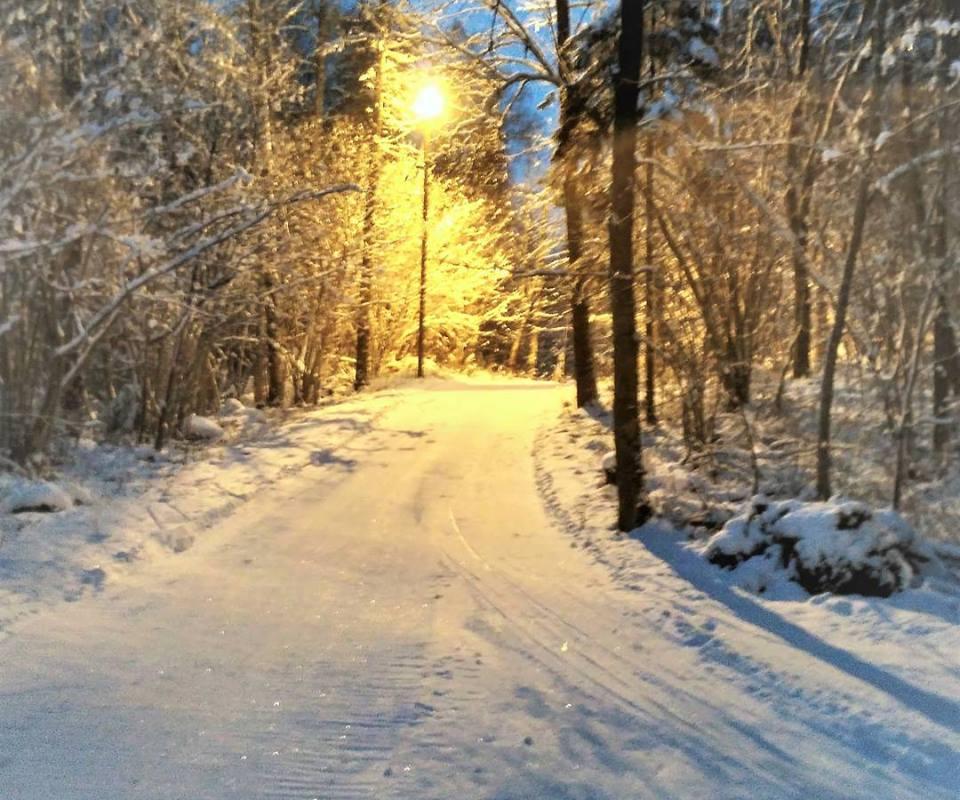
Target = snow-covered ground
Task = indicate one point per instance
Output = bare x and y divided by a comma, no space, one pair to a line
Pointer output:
415,594
123,507
860,668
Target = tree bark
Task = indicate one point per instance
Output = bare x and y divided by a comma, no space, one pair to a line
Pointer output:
853,253
650,298
584,373
650,277
797,201
626,423
320,61
946,359
582,342
362,366
261,53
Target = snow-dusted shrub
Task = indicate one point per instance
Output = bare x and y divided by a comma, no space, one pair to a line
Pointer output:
235,414
837,546
202,429
25,496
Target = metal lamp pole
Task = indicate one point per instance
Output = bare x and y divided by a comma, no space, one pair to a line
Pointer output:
424,243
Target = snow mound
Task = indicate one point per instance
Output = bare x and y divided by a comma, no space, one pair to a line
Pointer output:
43,496
202,429
838,546
232,407
235,414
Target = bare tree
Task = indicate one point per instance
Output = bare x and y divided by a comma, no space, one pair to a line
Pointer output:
626,423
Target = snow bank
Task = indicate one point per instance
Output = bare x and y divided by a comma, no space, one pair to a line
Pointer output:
24,496
202,429
837,546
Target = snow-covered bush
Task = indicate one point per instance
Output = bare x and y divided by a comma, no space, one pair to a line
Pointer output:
232,407
235,414
837,546
24,496
202,429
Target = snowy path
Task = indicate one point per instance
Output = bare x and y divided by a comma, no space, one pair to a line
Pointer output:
409,621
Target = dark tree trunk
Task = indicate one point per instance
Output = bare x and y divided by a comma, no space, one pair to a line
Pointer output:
836,335
275,376
853,252
626,424
650,276
362,368
320,61
946,359
71,57
584,373
650,298
41,428
797,201
262,55
580,305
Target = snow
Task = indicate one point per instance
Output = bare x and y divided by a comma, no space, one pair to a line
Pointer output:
231,407
856,672
702,52
609,466
202,428
24,496
839,546
234,414
830,154
386,598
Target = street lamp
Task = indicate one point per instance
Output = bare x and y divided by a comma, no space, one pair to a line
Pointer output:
427,108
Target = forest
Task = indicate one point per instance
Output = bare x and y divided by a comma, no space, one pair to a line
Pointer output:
482,399
703,205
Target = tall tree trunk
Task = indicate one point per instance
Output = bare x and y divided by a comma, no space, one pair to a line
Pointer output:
362,367
626,423
583,365
650,296
946,359
269,282
853,252
650,276
41,427
320,60
582,342
271,318
797,201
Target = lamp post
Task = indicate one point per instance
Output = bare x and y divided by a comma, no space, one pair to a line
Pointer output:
427,107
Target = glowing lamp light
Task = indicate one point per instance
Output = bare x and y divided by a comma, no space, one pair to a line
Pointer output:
428,104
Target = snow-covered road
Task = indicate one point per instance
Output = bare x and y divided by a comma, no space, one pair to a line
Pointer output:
407,620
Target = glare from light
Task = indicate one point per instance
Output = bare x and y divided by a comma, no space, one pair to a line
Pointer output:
428,104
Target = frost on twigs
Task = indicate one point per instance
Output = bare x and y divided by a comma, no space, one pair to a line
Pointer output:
837,546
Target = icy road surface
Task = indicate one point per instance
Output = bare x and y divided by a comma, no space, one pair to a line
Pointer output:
406,620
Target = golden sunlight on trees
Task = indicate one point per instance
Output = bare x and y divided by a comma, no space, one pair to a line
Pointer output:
195,250
281,200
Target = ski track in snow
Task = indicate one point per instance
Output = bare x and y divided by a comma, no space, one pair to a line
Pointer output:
414,619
